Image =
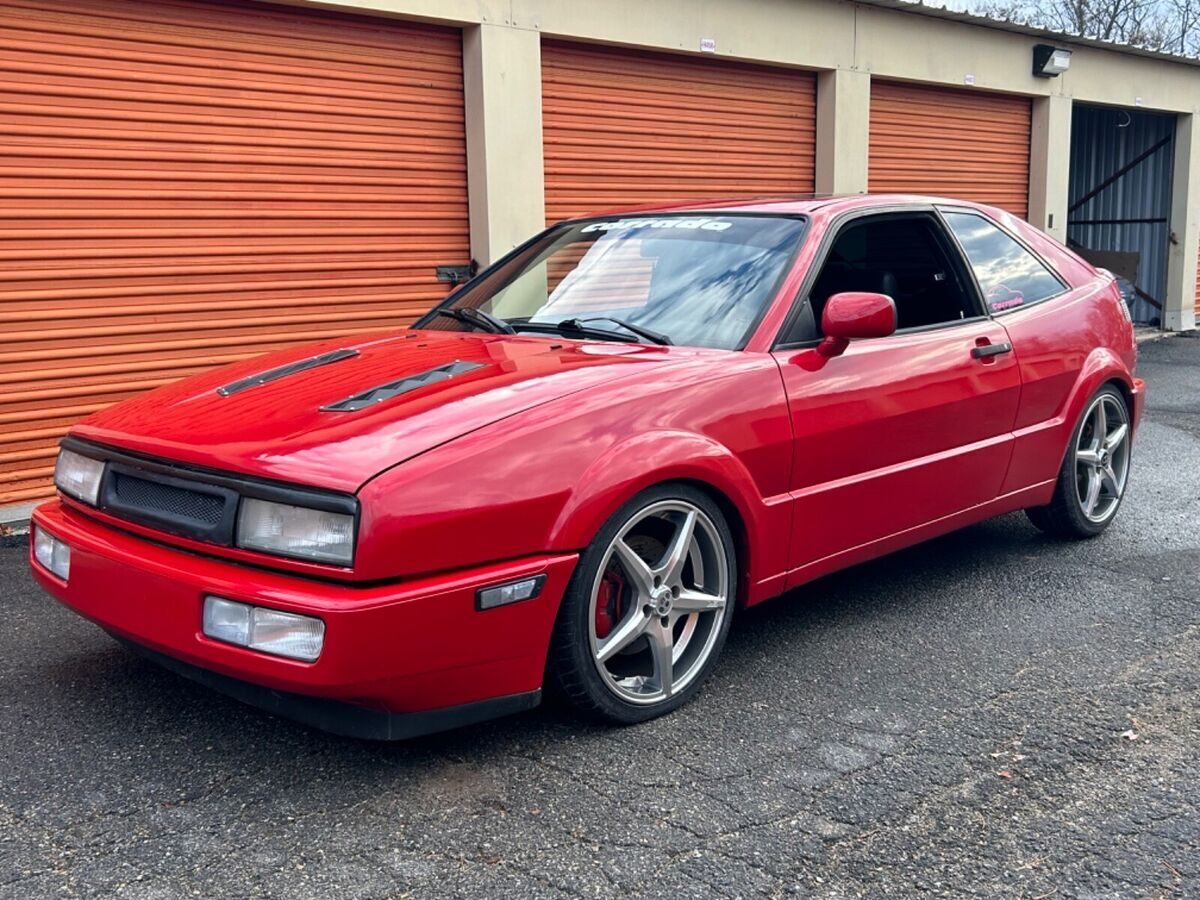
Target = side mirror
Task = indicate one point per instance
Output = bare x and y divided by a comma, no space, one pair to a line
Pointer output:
854,315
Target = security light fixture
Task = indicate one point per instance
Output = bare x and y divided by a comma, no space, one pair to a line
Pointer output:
1050,61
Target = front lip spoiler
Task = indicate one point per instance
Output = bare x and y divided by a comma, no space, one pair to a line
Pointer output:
340,718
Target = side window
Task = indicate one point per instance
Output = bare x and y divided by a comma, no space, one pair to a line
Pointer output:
1008,274
905,256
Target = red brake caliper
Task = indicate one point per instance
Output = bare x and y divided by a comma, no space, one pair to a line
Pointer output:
608,604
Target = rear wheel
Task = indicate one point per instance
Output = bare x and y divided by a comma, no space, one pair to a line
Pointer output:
1094,473
648,609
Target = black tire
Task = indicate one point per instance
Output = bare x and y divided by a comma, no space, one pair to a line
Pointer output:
574,670
1064,516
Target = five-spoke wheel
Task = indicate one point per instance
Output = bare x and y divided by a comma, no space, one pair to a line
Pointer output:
1102,457
1094,473
649,606
658,601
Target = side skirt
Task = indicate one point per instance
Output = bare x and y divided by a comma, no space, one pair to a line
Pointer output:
1034,495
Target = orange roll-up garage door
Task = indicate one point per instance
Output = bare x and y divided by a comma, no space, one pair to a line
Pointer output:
186,184
624,128
954,143
1198,295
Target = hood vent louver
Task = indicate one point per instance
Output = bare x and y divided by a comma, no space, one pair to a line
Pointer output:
402,386
302,365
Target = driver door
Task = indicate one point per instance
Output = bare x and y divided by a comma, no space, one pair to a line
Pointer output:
902,431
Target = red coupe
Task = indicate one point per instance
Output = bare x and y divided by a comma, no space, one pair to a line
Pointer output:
583,462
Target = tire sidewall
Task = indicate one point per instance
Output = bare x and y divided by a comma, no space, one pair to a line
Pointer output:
571,658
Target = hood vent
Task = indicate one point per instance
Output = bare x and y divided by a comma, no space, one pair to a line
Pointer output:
402,386
303,365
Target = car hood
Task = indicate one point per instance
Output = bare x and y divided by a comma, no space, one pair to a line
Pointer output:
335,420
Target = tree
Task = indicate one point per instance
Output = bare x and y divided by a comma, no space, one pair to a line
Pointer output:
1169,25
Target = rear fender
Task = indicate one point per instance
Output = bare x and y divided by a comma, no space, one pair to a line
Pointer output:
1041,447
1102,366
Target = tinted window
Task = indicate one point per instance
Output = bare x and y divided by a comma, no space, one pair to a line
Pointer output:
1009,275
903,256
702,280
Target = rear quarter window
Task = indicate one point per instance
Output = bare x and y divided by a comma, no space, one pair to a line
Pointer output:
1009,276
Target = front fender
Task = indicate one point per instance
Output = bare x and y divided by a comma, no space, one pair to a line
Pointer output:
549,477
641,461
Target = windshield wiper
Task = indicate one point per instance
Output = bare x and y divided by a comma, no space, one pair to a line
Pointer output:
578,325
654,337
478,318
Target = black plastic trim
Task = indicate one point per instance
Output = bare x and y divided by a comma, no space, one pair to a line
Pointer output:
393,389
303,365
246,485
211,481
341,718
111,503
991,350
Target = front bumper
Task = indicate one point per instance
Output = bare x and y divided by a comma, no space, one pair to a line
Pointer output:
410,657
1139,402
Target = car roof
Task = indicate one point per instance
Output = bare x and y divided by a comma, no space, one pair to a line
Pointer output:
830,204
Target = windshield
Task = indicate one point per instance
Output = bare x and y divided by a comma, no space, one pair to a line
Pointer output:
696,280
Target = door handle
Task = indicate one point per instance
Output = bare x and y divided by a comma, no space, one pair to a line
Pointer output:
986,350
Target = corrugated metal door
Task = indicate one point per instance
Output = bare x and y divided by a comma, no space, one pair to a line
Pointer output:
954,143
624,128
186,184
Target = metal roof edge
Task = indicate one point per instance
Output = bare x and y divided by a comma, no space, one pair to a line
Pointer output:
966,18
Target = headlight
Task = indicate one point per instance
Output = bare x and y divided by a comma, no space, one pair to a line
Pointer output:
78,476
296,531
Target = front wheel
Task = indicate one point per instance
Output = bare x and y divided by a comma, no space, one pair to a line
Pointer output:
647,611
1094,473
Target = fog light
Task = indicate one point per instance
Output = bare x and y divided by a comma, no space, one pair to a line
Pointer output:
52,553
265,630
502,594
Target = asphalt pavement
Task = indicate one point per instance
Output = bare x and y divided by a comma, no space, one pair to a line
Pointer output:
992,713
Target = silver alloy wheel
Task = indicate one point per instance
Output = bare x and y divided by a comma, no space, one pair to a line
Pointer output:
1102,458
670,565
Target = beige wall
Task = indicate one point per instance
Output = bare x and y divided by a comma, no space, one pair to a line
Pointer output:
843,131
1049,164
847,43
1185,228
502,84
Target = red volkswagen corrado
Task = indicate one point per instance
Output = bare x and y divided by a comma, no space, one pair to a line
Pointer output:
580,464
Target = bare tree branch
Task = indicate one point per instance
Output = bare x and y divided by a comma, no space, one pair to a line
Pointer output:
1170,25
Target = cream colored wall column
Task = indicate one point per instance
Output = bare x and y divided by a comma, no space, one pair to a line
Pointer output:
1050,164
502,71
1179,306
843,119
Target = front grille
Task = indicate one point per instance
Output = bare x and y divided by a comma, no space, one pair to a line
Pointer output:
190,502
138,494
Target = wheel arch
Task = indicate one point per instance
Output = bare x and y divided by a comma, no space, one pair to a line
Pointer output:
1102,367
687,459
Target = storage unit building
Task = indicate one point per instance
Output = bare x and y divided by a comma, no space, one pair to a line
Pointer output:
190,182
187,184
